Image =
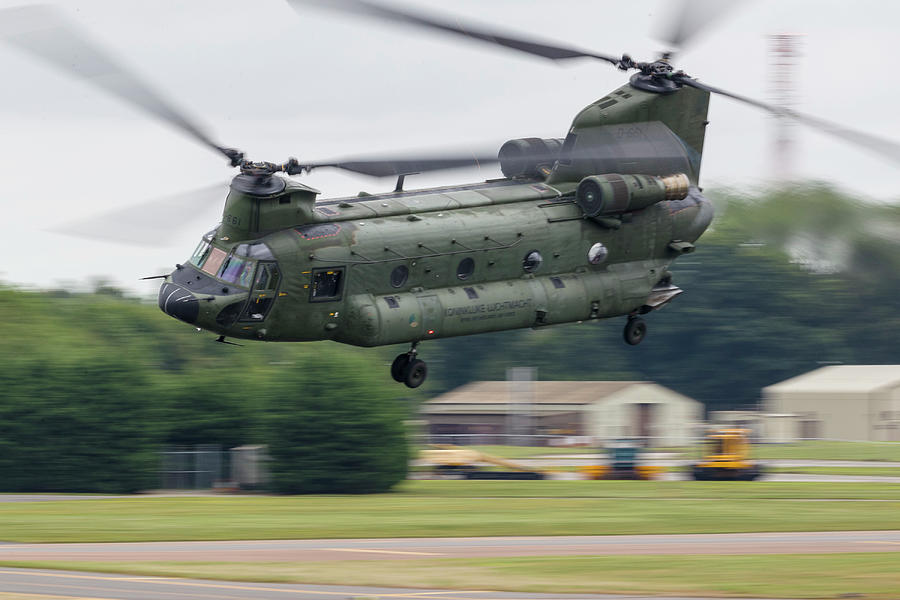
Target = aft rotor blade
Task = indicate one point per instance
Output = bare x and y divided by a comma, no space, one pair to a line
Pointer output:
152,223
452,25
44,32
691,18
403,166
881,146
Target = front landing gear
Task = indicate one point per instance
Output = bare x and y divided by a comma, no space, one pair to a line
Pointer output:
408,369
635,331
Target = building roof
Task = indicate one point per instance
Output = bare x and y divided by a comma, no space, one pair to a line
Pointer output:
555,396
841,378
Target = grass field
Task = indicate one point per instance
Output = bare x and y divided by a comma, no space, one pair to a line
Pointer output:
860,471
825,450
872,575
467,508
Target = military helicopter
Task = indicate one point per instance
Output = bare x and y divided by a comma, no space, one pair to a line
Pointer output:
581,227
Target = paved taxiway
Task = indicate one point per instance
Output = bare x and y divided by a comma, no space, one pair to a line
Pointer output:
94,586
423,548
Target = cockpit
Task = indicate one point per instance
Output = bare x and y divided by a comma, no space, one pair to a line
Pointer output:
235,267
236,285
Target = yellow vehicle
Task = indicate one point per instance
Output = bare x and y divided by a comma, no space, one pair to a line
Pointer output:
624,463
465,463
727,457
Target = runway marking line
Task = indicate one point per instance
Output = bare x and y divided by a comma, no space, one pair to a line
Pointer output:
173,581
382,551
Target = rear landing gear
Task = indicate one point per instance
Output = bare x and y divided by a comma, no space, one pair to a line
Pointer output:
635,331
408,369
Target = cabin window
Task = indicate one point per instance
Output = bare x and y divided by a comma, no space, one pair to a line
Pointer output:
327,285
532,261
391,301
471,293
399,276
557,283
597,254
465,268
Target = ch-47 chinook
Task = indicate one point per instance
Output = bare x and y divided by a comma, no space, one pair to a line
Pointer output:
579,228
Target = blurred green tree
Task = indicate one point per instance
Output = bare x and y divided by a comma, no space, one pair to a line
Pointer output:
76,426
332,428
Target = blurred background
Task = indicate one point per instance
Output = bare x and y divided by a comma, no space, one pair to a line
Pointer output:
798,271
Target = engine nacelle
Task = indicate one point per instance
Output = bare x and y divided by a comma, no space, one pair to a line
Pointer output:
524,157
613,194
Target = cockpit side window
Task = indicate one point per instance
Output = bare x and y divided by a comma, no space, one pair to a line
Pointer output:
262,278
264,291
200,253
203,250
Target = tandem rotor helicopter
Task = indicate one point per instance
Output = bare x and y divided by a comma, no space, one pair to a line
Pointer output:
579,228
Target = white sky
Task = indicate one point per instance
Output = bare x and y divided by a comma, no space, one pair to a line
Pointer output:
323,85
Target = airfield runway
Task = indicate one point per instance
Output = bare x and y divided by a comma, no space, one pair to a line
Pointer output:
54,585
422,548
59,585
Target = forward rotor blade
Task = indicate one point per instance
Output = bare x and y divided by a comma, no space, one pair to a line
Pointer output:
402,166
451,25
152,223
44,32
691,18
880,146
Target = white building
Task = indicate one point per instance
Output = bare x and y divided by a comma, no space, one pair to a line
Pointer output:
844,402
487,411
765,427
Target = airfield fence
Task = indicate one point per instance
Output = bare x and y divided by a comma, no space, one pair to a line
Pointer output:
200,467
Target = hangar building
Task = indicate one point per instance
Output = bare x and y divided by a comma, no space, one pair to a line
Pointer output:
841,402
488,411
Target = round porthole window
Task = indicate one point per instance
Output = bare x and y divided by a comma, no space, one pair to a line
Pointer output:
532,261
465,268
399,276
597,254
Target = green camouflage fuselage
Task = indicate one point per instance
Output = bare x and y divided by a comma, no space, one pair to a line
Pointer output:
414,265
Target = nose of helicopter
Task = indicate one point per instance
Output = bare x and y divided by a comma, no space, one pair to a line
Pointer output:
178,302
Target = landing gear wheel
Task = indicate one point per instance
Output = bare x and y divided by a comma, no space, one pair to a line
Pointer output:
398,367
635,331
415,373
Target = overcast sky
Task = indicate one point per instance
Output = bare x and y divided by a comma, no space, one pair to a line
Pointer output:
320,85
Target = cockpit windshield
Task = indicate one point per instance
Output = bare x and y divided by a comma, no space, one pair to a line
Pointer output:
202,252
238,271
235,267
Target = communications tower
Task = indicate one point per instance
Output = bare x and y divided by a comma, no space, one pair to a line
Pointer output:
784,54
